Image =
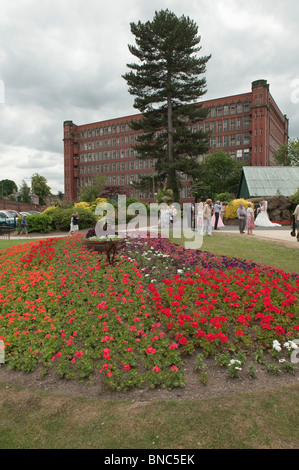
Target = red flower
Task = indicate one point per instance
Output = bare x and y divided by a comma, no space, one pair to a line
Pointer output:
150,350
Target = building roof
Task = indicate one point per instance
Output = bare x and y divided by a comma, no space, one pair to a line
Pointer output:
268,181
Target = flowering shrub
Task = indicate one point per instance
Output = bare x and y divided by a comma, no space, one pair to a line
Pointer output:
65,307
231,208
82,205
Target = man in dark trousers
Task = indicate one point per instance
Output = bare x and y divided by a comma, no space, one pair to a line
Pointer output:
217,209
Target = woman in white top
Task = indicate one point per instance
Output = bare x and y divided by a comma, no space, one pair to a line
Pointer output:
200,215
262,219
250,219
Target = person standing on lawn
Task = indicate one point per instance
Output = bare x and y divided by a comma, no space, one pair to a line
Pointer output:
207,218
241,212
24,226
296,217
250,219
217,209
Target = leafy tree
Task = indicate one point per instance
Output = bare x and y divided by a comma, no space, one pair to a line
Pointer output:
24,193
167,84
40,187
112,192
7,187
90,193
288,155
220,173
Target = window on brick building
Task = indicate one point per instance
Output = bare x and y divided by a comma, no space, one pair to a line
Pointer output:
246,123
246,139
246,155
239,155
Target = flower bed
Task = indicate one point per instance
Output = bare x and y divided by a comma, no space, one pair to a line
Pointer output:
64,307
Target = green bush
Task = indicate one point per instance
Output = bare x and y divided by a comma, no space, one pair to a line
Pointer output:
36,223
224,197
61,218
295,198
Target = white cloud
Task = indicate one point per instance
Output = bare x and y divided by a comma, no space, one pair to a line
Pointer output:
64,60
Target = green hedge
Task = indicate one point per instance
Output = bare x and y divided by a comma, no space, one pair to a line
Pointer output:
36,223
61,218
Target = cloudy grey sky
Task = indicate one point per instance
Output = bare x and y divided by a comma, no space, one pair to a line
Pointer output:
63,60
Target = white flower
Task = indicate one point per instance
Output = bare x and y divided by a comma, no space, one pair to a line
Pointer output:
276,345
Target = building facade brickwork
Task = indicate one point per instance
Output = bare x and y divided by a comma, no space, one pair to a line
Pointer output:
249,126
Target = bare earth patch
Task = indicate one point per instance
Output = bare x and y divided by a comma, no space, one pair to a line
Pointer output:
219,383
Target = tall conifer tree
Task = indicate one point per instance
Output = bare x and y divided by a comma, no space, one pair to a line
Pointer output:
166,83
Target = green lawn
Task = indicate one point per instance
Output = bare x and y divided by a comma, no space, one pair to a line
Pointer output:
254,420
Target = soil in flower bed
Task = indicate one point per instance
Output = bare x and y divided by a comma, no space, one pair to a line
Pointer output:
219,383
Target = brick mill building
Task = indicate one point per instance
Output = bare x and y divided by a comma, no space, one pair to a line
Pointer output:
249,126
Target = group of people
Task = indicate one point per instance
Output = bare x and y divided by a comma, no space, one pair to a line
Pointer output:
74,225
247,218
210,216
168,216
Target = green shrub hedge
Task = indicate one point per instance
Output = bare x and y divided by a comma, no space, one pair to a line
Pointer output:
36,223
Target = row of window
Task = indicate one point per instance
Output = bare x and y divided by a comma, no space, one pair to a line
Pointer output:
124,166
224,125
110,142
232,108
109,155
230,140
124,179
106,130
229,109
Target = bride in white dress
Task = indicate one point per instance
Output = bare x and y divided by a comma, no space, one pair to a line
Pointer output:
262,219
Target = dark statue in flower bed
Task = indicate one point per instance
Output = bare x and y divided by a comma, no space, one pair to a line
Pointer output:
110,244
